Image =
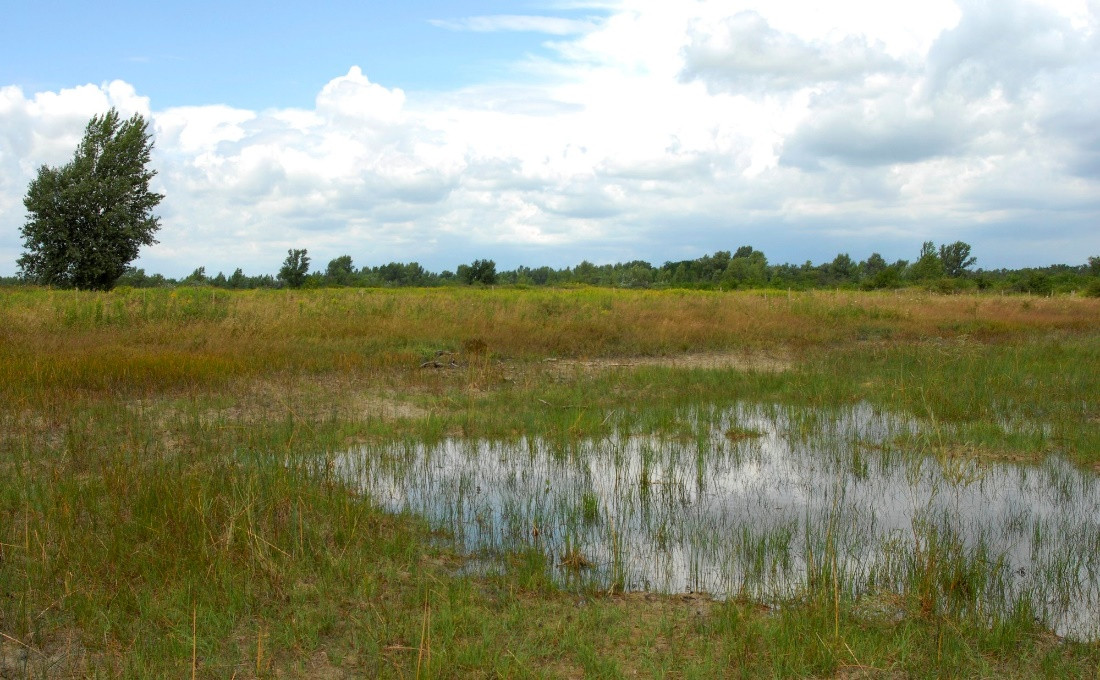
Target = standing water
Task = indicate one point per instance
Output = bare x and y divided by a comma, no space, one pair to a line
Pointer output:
766,502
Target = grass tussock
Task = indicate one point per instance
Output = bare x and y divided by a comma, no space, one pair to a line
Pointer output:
169,504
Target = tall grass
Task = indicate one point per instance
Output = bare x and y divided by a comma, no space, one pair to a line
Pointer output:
138,339
166,493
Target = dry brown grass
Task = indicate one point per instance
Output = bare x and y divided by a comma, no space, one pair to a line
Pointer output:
747,360
140,340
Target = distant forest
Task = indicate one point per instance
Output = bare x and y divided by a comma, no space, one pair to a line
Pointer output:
947,269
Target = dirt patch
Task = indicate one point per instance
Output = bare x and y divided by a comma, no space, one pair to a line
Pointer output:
738,361
259,400
695,604
264,401
62,656
385,407
37,428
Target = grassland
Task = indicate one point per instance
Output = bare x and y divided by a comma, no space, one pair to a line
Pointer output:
168,506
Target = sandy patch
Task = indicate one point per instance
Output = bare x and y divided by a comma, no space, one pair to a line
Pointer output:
265,401
738,361
38,430
61,656
385,407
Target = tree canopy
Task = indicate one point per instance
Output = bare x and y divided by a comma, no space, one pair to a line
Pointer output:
295,267
88,218
340,271
956,258
478,271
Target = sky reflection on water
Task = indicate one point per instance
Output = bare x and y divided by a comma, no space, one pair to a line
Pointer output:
753,515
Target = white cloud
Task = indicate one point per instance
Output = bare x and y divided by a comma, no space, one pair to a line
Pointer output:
200,129
744,52
1003,46
353,98
662,131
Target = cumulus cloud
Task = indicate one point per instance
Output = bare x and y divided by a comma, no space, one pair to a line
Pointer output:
1004,45
744,53
885,129
353,98
661,131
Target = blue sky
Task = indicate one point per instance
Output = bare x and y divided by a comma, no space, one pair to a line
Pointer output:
551,132
256,54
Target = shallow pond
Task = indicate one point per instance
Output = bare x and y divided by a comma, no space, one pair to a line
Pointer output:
766,502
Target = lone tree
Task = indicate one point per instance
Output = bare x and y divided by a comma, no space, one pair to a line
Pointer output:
956,258
89,218
295,268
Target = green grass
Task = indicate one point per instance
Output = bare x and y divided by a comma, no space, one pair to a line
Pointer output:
166,505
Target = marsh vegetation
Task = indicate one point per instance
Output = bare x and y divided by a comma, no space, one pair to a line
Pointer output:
259,483
762,502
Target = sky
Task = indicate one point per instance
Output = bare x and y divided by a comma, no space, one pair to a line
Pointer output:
547,133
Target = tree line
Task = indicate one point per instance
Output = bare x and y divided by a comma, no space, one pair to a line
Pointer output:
89,218
948,268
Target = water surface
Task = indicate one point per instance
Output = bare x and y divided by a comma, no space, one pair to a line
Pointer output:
757,501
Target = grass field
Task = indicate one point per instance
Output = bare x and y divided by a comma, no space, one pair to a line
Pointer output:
171,502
